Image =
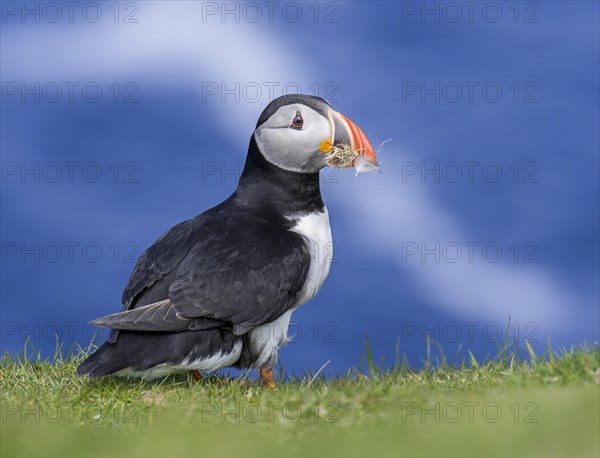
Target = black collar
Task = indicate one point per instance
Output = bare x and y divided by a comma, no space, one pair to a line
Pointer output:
263,183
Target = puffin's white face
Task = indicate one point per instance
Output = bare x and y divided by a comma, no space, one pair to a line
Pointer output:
291,138
299,132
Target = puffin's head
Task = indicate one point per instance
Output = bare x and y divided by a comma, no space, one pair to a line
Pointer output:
298,132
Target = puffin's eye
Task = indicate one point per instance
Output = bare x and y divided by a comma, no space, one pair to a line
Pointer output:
297,122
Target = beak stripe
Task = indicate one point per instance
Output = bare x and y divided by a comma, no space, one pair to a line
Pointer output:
359,140
331,127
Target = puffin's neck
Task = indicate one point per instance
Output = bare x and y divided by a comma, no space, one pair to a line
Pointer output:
263,183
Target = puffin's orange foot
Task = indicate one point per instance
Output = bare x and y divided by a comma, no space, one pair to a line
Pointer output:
198,375
266,375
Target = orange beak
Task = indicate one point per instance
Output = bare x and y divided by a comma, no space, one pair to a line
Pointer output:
344,131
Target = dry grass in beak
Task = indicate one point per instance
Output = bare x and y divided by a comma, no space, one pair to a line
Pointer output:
343,156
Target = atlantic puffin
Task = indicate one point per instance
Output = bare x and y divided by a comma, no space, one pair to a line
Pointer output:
218,290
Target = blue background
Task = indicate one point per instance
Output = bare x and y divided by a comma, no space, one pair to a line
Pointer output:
175,145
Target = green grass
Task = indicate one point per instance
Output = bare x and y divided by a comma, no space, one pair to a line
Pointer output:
543,405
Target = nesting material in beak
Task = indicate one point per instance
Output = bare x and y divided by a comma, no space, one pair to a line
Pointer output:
344,155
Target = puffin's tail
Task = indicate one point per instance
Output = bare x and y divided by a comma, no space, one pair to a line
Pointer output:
101,362
145,350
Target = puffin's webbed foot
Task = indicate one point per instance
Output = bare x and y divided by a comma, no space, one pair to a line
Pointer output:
198,376
266,375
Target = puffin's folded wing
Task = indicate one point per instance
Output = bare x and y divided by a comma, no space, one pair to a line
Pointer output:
159,316
249,286
241,275
160,259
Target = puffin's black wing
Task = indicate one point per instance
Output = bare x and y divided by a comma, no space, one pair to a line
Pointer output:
240,268
158,260
253,280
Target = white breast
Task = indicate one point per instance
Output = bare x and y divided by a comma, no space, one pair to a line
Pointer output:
265,340
315,230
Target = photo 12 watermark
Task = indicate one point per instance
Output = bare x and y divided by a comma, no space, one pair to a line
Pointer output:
66,412
230,172
468,412
265,91
69,252
69,12
76,172
49,332
316,332
527,172
527,92
69,92
452,252
469,12
269,412
270,12
468,332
